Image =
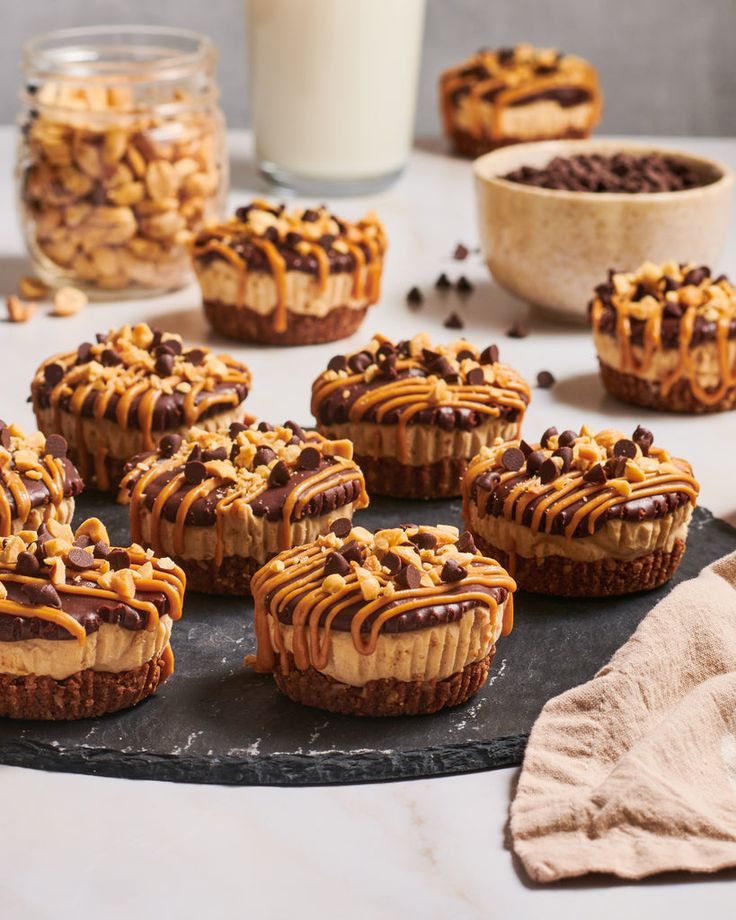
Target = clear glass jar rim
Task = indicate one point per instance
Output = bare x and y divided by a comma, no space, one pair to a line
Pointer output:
72,54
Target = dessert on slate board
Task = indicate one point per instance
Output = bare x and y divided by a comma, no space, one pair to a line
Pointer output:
84,627
666,337
512,95
38,482
222,503
289,277
416,412
117,397
399,622
581,514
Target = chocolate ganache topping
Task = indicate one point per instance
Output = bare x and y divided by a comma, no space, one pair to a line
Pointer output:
351,580
140,378
60,584
34,472
281,473
571,484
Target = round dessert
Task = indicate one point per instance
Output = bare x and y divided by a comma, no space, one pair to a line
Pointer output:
417,413
581,514
222,503
666,337
512,95
399,622
84,627
38,482
114,399
289,277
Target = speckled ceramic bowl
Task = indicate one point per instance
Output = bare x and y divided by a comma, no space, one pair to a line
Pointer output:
552,247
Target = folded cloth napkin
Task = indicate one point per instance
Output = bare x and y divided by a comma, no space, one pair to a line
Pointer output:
634,772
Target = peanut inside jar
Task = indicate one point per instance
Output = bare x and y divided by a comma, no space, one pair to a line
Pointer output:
122,156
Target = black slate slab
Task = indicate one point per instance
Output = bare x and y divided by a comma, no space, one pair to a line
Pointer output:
214,722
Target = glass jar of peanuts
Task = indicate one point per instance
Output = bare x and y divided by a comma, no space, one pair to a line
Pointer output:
121,156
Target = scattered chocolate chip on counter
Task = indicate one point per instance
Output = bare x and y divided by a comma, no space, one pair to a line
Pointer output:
443,283
461,252
463,285
453,321
518,331
415,298
545,380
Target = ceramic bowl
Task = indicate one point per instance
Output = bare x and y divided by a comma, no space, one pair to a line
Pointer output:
552,247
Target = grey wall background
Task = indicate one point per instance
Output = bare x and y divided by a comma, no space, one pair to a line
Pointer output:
667,66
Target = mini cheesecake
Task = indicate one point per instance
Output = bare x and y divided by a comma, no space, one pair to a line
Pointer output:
399,622
416,412
84,627
581,514
222,503
115,398
38,482
666,337
289,277
520,94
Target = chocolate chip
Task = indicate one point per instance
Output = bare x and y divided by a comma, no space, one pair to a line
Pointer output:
161,350
164,365
488,480
27,564
336,564
549,433
697,275
214,453
169,444
644,438
461,252
83,540
235,429
195,453
673,309
84,353
424,540
309,459
310,216
415,297
392,562
264,426
489,355
263,456
341,527
466,543
565,453
615,467
352,551
518,330
463,285
443,283
326,240
78,558
194,472
525,448
41,595
196,356
409,577
56,445
156,340
100,337
670,284
596,475
53,374
465,355
476,377
175,346
338,363
545,380
534,462
452,571
548,471
296,430
279,475
110,358
567,438
453,321
512,459
624,448
118,559
4,435
358,363
101,550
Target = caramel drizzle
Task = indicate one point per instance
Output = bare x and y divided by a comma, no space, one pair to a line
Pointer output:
583,77
569,488
366,274
305,578
685,368
171,583
52,476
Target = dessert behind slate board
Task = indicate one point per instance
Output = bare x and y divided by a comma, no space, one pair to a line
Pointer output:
512,95
416,412
399,622
38,482
222,503
666,337
289,277
581,514
116,397
84,627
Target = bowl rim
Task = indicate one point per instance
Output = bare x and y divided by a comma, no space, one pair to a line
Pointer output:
622,144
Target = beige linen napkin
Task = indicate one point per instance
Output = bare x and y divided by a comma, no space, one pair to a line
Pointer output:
635,772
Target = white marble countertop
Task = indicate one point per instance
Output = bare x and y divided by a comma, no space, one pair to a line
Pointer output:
84,847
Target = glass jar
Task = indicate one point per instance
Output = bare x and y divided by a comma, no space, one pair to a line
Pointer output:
121,156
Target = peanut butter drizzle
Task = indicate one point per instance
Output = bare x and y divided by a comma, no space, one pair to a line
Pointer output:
366,272
570,487
651,310
301,572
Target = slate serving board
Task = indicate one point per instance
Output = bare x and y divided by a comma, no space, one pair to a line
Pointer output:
215,722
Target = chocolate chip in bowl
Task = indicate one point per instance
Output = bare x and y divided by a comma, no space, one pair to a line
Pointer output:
551,246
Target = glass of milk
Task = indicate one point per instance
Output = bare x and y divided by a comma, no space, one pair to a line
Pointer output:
333,87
